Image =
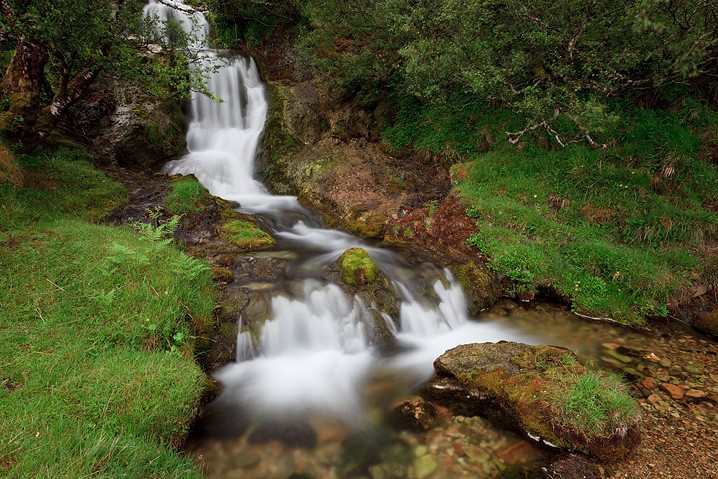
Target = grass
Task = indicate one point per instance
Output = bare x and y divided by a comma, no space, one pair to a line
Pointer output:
618,232
596,404
98,331
187,196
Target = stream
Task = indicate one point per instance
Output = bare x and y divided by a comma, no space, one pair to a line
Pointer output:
311,388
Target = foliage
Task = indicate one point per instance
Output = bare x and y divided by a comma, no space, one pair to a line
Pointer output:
62,49
98,330
557,65
250,20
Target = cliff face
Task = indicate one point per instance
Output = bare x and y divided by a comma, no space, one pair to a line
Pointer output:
125,126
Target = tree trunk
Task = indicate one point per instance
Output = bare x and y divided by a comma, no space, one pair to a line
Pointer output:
22,87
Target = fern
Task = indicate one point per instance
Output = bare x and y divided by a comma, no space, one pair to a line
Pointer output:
162,232
189,268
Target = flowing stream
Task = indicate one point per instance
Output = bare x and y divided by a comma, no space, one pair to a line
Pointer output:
314,359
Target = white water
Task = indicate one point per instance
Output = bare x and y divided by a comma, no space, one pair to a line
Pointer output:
314,355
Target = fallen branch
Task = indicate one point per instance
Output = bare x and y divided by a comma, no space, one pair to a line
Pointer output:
181,8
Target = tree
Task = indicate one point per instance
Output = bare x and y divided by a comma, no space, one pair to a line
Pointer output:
560,64
61,48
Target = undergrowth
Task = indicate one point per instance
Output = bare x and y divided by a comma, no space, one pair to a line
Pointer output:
619,231
99,327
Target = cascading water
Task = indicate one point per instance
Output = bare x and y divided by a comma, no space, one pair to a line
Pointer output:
313,356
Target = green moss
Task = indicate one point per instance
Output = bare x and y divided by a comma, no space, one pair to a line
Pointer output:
357,267
245,234
278,147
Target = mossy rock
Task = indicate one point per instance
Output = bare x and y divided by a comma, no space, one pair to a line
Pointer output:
357,267
245,235
546,392
480,285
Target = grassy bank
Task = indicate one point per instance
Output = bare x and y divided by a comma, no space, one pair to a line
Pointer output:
98,330
621,232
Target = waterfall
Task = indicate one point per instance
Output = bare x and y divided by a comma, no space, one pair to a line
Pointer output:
313,355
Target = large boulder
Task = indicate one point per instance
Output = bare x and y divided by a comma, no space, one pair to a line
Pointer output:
546,392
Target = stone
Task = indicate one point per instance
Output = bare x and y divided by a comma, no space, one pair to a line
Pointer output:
696,394
388,471
676,392
649,384
414,414
424,466
515,385
618,356
708,323
357,267
655,399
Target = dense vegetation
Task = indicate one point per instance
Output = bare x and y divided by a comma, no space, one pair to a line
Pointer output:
59,49
589,127
99,326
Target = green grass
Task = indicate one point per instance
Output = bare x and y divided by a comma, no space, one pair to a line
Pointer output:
619,232
98,331
58,183
596,404
187,196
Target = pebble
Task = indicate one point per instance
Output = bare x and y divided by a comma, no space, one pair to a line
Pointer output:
696,394
674,391
649,384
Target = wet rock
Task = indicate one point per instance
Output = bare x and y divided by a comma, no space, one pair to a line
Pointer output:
414,414
521,386
140,132
708,323
649,384
614,354
439,233
674,391
388,471
571,467
424,466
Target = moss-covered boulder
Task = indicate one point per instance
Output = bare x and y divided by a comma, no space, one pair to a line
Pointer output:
362,278
357,267
245,235
546,392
